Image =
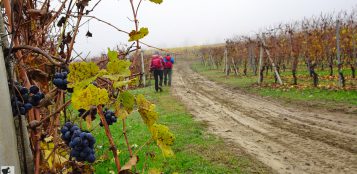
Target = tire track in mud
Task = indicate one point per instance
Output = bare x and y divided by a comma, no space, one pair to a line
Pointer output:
287,139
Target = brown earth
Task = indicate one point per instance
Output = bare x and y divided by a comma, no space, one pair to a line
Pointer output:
289,139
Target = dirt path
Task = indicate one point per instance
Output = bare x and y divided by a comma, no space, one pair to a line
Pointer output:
287,139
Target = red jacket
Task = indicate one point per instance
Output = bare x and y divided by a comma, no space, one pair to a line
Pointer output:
157,63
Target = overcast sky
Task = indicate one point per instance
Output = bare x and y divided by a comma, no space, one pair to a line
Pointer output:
194,22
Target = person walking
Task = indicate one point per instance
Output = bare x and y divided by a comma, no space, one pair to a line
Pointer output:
168,63
157,67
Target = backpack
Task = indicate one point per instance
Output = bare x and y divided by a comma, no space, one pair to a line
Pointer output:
156,63
168,63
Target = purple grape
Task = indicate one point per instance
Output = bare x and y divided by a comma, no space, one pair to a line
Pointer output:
34,89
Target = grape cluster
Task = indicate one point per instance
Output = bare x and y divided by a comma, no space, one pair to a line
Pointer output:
109,117
60,80
25,99
81,143
84,113
67,132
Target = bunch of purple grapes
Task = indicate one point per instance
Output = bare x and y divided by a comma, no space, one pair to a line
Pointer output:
81,143
60,80
84,113
25,99
67,132
109,117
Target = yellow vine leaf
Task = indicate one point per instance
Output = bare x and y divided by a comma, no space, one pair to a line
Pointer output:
81,74
121,113
160,133
57,158
90,96
137,35
164,138
146,110
120,84
48,139
166,150
134,81
120,67
157,1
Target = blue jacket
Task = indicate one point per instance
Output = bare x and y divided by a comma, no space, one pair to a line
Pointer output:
168,62
172,60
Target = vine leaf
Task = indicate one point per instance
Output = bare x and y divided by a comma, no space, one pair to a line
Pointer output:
117,69
48,139
112,55
56,158
120,67
119,84
90,96
127,167
82,74
146,110
127,100
164,138
137,35
121,113
160,133
157,1
124,104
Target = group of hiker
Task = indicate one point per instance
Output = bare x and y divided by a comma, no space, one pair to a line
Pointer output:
162,69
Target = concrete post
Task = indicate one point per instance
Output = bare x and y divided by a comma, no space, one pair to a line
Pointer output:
9,155
143,68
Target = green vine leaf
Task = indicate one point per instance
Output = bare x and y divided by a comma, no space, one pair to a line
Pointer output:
112,55
137,35
127,100
124,104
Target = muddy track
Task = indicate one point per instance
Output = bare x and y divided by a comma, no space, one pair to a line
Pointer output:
287,139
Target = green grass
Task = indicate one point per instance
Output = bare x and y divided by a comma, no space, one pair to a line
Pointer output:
304,92
196,151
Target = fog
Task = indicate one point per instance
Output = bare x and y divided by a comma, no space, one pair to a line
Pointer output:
176,23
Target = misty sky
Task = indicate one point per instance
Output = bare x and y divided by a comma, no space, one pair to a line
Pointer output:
194,22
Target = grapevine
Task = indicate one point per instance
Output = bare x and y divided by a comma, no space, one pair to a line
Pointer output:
52,81
311,45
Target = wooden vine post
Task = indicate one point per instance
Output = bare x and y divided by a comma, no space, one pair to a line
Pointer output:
227,68
341,78
354,51
271,60
261,54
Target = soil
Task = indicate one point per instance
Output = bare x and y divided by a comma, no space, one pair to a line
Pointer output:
288,139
